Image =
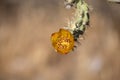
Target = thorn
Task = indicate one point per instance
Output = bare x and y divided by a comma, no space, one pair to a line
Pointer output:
81,37
90,8
74,48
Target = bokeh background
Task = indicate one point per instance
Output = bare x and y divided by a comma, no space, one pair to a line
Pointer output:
26,52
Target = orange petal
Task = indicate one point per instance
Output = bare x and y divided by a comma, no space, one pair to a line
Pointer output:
62,41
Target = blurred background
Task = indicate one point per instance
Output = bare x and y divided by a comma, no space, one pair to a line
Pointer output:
26,52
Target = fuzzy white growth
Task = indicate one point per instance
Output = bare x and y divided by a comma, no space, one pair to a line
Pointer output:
81,18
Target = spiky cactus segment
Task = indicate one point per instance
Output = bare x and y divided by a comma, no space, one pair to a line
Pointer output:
63,40
81,18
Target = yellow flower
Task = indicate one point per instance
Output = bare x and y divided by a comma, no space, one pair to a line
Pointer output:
62,41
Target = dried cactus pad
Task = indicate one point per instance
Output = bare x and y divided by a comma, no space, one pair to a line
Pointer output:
62,41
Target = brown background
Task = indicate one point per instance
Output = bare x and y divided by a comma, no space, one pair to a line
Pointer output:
25,48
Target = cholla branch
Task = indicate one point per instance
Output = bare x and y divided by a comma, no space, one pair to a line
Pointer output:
63,41
81,17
